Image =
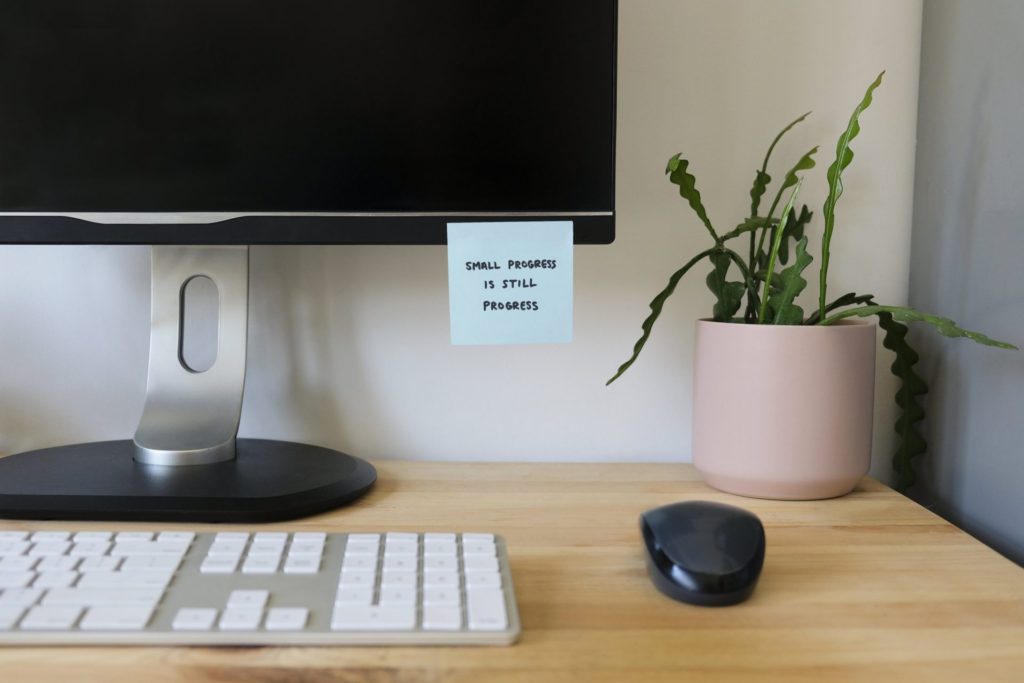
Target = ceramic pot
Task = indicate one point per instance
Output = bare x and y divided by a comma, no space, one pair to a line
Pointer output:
783,411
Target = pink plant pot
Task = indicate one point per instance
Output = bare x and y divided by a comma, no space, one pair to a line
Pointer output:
783,411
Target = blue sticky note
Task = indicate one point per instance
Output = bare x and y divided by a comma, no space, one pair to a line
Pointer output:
510,282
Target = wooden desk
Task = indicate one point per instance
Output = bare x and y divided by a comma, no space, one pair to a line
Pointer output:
866,587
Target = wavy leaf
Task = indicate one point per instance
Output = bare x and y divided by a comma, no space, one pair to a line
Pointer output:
805,163
944,326
770,268
687,183
911,443
656,306
728,295
762,179
848,299
793,231
844,156
748,225
784,311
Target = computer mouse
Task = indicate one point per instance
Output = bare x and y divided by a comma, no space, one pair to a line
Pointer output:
703,553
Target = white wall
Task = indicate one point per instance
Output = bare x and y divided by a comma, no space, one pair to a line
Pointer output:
968,239
349,345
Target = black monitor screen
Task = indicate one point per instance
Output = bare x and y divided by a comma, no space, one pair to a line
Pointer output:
454,107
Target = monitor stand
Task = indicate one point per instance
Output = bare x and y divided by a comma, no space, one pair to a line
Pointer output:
185,463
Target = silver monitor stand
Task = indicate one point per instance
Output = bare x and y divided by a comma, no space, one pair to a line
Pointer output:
185,462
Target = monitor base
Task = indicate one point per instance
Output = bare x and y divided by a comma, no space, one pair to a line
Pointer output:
267,481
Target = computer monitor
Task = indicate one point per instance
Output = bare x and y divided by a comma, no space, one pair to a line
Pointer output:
205,126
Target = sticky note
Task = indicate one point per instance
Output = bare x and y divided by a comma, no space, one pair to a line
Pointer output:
510,282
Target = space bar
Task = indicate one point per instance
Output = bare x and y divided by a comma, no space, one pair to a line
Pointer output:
87,597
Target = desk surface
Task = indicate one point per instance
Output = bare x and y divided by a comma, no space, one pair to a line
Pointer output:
866,587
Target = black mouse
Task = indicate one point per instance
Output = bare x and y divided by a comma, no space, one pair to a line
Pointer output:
703,553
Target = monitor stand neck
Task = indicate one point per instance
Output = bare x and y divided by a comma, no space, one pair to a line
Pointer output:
190,417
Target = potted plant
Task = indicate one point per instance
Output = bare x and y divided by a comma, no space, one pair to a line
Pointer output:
783,398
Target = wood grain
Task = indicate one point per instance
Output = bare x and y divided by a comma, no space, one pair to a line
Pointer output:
866,587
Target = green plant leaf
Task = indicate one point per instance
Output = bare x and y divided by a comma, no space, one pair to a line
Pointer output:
805,163
748,225
944,326
770,268
844,156
911,443
762,179
656,307
728,295
785,312
687,183
848,299
793,231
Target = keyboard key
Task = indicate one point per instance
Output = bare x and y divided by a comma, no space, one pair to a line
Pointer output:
183,537
441,580
438,538
13,548
354,596
194,619
392,618
401,549
49,548
50,618
151,562
398,537
399,580
116,618
358,562
7,536
15,579
227,547
442,618
479,548
261,564
9,616
440,564
440,549
309,536
50,536
92,537
270,536
231,536
357,578
355,548
57,564
398,596
220,564
409,564
89,548
17,563
55,579
309,548
130,548
486,610
240,619
445,597
302,564
248,598
477,538
20,597
102,597
480,563
483,580
126,579
286,619
364,538
100,564
128,536
266,548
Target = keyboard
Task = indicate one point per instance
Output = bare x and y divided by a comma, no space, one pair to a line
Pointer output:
259,588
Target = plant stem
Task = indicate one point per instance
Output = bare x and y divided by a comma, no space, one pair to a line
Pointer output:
776,243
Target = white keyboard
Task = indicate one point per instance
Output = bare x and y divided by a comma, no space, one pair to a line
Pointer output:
262,588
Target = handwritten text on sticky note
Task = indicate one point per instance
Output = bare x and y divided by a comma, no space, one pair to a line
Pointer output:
510,282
